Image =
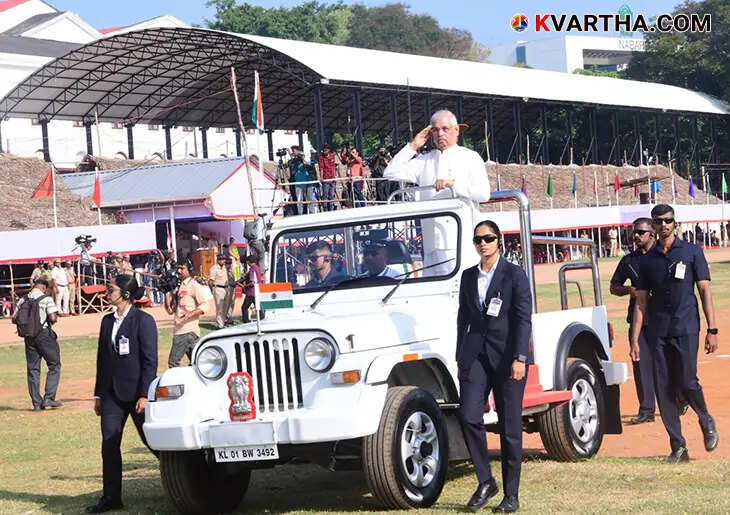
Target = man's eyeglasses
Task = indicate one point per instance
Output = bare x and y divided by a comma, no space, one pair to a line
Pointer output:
642,232
659,221
487,238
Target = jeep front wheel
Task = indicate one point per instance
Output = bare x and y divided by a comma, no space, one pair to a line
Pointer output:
405,461
574,431
196,487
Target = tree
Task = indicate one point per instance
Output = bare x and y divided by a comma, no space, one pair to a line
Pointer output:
391,27
695,60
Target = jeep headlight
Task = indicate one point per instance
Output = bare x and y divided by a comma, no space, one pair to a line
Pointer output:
212,363
319,354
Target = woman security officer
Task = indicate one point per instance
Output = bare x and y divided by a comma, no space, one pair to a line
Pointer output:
126,364
494,325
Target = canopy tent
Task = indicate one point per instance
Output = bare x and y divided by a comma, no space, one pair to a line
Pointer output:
29,246
549,220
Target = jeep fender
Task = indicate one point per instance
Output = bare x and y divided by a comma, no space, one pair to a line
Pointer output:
579,340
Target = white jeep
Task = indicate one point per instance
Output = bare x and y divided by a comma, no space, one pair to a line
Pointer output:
361,373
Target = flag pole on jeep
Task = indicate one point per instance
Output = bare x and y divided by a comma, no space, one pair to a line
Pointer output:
242,132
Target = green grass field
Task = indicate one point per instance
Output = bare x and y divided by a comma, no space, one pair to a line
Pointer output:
50,462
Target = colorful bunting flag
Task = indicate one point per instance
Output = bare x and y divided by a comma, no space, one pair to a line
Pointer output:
724,184
616,185
257,110
45,187
96,197
550,186
691,187
524,185
574,190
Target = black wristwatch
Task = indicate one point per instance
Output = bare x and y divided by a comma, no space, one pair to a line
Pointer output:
523,359
712,330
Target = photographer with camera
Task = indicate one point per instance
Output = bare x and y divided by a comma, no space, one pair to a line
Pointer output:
188,303
295,161
327,172
377,165
303,177
84,243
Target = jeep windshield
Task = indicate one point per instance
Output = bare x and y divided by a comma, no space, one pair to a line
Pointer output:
380,251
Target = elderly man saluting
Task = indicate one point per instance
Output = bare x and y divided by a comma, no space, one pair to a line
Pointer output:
448,165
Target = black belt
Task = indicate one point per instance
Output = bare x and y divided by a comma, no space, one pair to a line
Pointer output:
219,286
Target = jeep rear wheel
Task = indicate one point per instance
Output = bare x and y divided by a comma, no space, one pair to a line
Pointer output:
574,431
405,461
196,487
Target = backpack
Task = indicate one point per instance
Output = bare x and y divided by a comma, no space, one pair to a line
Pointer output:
28,318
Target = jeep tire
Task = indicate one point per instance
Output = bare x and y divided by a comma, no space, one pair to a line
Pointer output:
405,461
574,430
193,486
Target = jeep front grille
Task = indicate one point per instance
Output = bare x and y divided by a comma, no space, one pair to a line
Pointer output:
274,368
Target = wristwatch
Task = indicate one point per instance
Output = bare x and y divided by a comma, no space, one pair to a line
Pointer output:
523,359
712,330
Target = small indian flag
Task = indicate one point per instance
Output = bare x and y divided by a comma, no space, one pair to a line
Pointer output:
257,110
274,296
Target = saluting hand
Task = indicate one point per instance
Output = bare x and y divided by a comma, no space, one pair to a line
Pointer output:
420,139
518,370
140,404
710,343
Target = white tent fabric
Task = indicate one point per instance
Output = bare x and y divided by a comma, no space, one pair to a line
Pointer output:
231,199
491,79
47,244
548,220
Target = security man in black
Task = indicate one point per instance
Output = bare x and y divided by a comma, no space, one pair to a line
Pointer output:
628,269
669,272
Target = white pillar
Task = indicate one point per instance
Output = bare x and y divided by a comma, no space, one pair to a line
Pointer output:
172,232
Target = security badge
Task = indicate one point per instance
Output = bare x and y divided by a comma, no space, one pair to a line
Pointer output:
123,346
495,305
679,270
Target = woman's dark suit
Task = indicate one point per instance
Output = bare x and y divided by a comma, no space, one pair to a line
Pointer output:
486,348
120,381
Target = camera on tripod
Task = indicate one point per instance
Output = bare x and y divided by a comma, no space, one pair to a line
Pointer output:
169,280
281,152
85,240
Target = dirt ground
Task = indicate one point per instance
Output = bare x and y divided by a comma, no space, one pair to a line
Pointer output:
643,440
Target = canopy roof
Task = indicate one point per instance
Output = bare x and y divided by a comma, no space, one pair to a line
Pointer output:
179,76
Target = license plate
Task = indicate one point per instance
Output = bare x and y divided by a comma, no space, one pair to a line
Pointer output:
247,453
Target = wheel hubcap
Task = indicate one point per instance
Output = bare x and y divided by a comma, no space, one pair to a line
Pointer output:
584,411
419,449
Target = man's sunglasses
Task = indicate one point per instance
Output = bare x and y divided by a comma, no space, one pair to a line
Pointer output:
487,238
642,232
658,221
314,258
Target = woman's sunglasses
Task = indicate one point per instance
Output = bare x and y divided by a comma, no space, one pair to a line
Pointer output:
487,238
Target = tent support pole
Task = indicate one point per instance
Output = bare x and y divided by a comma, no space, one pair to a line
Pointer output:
130,141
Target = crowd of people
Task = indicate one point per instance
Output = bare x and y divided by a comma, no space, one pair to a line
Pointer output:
335,179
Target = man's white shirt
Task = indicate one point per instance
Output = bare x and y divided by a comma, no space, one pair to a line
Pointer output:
464,166
59,276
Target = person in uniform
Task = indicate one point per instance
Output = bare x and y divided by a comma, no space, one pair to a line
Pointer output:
218,283
628,269
60,281
669,273
71,277
126,364
493,336
37,272
251,277
375,260
230,291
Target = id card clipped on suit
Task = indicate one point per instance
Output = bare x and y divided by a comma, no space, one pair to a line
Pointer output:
495,305
123,346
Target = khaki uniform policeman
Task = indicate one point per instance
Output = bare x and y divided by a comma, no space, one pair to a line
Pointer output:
218,282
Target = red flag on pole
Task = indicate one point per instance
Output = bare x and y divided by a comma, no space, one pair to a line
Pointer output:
616,185
97,192
45,187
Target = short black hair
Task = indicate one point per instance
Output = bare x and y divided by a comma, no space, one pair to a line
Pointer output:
642,220
295,147
492,226
252,258
318,245
662,209
129,287
40,280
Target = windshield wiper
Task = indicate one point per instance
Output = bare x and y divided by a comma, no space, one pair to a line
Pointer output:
407,274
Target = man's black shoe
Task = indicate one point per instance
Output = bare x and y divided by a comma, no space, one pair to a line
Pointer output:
105,504
710,435
509,504
681,455
37,408
484,492
642,418
51,403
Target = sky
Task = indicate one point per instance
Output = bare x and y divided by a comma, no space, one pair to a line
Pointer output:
487,20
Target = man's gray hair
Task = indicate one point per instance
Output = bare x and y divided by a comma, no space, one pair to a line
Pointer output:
444,113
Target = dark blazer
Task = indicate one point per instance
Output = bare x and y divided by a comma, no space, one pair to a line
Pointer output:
128,377
504,337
